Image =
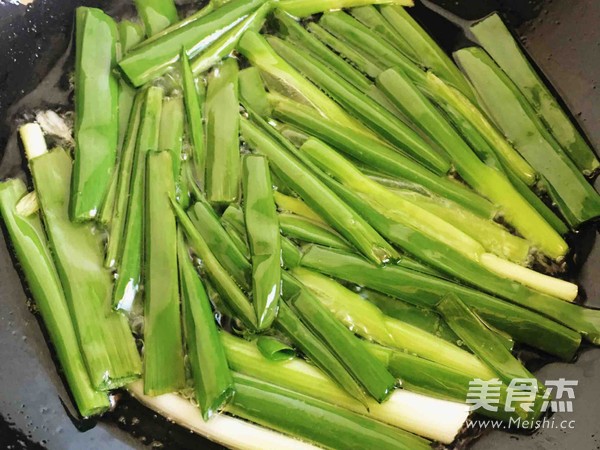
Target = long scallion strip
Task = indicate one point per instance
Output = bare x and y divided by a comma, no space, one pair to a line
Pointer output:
303,8
545,333
224,429
156,14
171,131
371,374
262,226
225,285
315,420
31,247
163,344
362,106
129,261
438,420
317,196
213,382
151,60
366,320
104,337
289,204
307,230
479,338
123,183
498,41
574,196
223,46
223,170
377,155
96,111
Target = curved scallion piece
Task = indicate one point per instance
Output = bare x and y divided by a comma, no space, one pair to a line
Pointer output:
31,247
96,109
262,226
273,349
252,91
163,344
213,382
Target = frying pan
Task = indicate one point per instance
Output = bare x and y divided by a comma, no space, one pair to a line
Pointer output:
562,38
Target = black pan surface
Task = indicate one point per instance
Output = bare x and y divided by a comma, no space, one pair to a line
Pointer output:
562,37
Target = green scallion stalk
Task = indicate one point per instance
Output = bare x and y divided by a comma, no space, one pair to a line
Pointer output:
223,174
253,93
163,344
171,131
377,155
574,196
541,329
105,340
369,372
254,47
223,46
119,214
314,420
156,14
31,248
437,420
362,106
366,320
307,230
213,382
427,52
304,8
498,41
483,341
262,226
232,221
154,57
236,300
317,196
96,111
293,31
195,124
129,261
365,65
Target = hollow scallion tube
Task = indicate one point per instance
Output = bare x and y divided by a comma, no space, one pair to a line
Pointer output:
163,344
129,262
304,8
223,171
29,242
96,110
362,106
291,29
307,230
262,226
156,14
377,155
315,420
105,340
573,194
227,42
213,382
225,285
119,214
366,320
443,419
152,59
498,41
317,196
483,341
544,329
261,55
484,179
